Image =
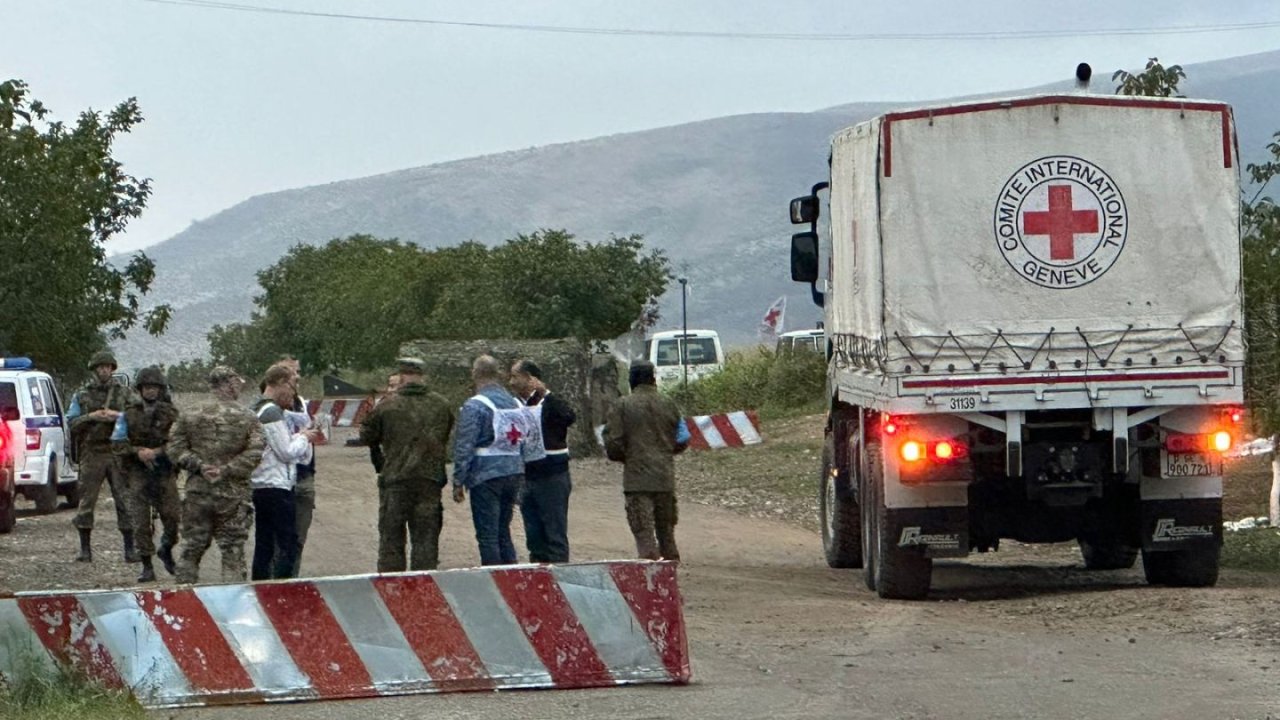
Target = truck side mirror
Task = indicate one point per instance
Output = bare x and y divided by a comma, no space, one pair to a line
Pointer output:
804,210
804,257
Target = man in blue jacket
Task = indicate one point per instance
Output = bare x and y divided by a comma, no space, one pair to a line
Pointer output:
487,460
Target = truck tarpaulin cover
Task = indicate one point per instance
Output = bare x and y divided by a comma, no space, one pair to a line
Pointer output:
1089,224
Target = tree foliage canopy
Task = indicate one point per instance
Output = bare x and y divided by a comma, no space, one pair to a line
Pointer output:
62,197
352,302
1155,81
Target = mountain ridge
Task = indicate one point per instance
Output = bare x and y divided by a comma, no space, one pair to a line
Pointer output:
711,193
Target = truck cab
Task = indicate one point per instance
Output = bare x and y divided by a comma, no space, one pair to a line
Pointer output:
1034,312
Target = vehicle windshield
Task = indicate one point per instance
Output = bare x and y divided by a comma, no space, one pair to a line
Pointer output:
700,351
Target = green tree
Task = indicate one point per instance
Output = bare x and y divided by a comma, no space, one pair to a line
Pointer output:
349,303
354,301
1260,243
247,347
1155,81
62,198
547,285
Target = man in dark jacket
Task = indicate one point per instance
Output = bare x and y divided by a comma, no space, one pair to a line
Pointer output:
544,506
92,416
408,436
641,433
151,481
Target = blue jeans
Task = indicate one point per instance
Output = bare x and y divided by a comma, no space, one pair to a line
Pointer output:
544,506
493,503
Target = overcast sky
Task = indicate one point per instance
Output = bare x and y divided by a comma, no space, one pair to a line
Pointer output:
241,103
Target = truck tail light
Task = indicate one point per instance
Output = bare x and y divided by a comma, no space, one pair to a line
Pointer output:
1220,441
33,439
938,451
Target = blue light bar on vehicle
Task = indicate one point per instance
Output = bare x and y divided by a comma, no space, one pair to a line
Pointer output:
16,363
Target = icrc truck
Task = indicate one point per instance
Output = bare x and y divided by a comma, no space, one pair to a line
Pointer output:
1034,332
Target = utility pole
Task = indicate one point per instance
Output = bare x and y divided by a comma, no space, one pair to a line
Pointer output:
684,323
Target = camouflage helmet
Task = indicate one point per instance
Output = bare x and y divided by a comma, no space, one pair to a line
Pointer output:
150,376
103,357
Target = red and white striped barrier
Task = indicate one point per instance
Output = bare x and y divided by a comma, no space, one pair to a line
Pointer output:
561,626
712,432
342,412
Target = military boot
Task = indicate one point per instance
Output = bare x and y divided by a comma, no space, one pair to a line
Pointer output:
86,552
130,552
165,553
148,572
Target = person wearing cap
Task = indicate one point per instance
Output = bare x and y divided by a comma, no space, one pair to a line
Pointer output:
408,438
92,419
544,505
140,438
219,445
641,433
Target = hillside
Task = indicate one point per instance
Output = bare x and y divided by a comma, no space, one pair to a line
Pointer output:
711,194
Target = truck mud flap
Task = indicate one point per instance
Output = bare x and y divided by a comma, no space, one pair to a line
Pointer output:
1178,524
933,532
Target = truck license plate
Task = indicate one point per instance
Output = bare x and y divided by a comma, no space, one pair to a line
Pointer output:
1190,465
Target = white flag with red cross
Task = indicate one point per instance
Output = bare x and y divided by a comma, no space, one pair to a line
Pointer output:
771,323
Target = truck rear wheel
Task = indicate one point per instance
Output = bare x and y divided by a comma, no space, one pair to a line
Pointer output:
841,524
1107,555
898,574
1195,566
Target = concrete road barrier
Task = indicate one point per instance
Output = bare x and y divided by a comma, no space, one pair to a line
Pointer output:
563,626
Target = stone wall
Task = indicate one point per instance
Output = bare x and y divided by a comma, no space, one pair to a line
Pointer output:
587,383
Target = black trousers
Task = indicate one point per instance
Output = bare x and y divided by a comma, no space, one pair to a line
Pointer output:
275,537
544,506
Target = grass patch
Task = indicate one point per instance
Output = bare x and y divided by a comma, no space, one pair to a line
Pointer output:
38,692
1257,549
1246,487
776,479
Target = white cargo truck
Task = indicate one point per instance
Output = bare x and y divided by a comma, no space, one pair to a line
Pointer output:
1033,316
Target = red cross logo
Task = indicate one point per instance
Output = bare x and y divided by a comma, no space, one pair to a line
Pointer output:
1061,223
514,435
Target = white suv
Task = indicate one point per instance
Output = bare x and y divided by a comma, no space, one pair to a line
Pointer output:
37,442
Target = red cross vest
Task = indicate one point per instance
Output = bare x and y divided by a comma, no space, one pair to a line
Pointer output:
517,431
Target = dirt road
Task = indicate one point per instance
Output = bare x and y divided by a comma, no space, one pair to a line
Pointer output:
1024,633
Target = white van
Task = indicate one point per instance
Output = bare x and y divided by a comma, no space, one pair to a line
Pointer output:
36,438
814,340
700,349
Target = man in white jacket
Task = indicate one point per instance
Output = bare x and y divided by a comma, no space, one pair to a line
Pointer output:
275,537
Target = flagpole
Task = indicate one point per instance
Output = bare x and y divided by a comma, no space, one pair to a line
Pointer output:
684,323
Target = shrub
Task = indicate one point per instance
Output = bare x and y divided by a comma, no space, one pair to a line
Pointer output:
774,384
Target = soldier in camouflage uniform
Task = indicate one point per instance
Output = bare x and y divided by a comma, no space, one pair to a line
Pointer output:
150,479
409,432
219,445
92,416
641,432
